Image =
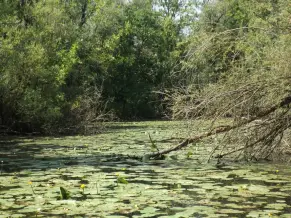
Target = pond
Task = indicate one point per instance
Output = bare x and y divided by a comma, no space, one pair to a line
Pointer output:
99,180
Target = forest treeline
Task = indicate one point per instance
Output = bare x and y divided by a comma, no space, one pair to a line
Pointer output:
67,63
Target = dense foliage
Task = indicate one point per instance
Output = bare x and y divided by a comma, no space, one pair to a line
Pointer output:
238,66
66,63
69,63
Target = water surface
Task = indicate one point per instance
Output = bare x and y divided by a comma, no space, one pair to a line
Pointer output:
182,185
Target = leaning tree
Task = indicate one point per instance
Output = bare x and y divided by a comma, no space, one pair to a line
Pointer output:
238,69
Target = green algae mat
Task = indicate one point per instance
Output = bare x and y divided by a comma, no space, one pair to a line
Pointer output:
91,176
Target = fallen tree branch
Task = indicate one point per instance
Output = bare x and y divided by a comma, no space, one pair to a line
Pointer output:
218,130
188,141
254,143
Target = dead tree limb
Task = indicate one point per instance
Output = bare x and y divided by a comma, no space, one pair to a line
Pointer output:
221,129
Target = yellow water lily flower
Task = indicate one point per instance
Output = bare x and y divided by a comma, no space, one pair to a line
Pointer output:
82,186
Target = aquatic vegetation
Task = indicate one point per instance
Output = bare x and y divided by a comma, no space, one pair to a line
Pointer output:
65,194
189,154
82,186
30,183
153,143
105,183
121,179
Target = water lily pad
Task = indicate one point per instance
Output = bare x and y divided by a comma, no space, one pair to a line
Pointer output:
160,188
276,206
149,210
17,215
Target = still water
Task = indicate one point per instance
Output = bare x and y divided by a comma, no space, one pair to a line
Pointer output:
102,182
